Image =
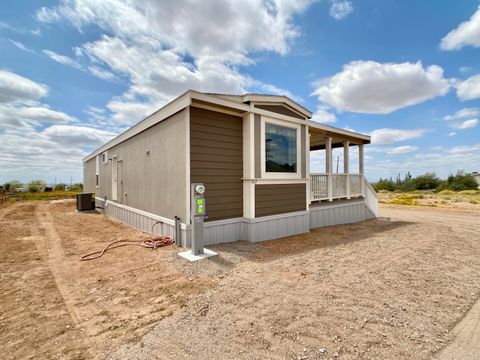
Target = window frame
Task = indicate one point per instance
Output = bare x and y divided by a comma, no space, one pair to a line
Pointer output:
280,175
105,154
97,171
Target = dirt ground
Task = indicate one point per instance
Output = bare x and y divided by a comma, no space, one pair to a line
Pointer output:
398,287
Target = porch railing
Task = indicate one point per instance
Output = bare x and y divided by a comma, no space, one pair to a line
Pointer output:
343,186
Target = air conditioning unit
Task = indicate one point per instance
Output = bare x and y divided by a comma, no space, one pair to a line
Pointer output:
85,201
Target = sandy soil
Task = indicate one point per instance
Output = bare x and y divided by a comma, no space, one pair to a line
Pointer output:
56,307
384,289
393,288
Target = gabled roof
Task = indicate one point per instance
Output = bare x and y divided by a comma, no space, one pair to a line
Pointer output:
241,104
265,98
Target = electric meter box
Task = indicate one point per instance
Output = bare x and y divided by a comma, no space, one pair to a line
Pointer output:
197,229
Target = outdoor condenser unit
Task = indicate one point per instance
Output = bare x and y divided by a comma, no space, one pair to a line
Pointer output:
85,202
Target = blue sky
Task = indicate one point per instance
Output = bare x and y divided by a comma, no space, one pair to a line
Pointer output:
75,73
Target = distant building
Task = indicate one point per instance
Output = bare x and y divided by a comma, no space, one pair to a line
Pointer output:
476,175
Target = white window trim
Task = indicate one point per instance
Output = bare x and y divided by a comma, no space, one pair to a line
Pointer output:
106,157
280,175
97,171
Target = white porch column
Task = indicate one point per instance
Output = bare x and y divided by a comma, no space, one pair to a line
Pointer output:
248,166
328,161
361,168
346,167
307,165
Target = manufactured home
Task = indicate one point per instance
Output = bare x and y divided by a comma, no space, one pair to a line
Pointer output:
251,152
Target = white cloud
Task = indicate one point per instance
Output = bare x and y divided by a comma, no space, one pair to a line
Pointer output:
443,163
469,89
21,46
100,73
463,113
402,149
467,33
26,152
466,149
21,116
340,9
162,59
372,87
322,115
62,59
389,136
15,88
465,69
264,26
453,133
78,136
39,157
467,124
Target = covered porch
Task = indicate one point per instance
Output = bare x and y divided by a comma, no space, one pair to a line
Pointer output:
340,183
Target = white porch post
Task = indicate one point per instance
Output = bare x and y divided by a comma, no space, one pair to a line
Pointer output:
346,167
248,166
361,168
307,165
328,160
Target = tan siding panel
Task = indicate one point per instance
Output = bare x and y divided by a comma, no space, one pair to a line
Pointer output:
155,183
279,198
216,159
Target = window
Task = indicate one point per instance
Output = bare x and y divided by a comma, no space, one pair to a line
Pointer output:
280,149
105,157
97,171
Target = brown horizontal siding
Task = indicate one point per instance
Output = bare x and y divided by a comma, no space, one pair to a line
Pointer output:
216,160
279,199
280,110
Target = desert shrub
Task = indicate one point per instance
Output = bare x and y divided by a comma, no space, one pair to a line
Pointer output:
460,181
385,184
77,187
405,200
446,192
36,185
60,187
12,185
468,192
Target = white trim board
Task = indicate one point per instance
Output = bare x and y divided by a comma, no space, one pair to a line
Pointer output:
280,175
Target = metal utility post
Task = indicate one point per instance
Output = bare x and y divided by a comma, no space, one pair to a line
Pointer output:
197,216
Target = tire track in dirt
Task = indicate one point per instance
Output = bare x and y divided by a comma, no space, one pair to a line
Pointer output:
58,266
56,257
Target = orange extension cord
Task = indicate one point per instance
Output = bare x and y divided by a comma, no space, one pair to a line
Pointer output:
154,243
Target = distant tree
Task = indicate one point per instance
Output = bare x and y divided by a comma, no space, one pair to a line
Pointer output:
77,187
36,185
60,187
428,181
12,185
385,184
460,181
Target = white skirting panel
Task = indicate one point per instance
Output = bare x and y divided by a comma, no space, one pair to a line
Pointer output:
254,230
335,214
277,226
139,219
